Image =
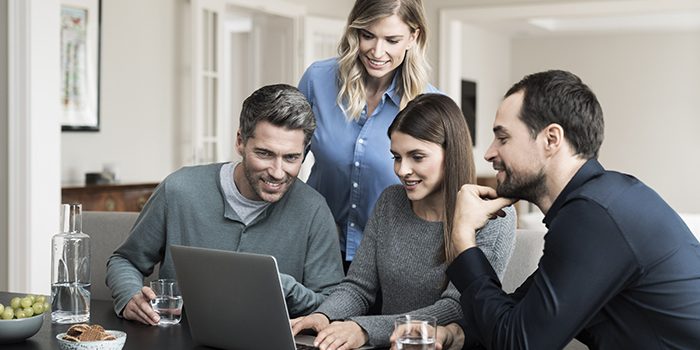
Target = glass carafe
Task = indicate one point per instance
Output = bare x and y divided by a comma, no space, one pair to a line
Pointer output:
70,270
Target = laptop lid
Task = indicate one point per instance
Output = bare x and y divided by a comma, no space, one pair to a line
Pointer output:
233,300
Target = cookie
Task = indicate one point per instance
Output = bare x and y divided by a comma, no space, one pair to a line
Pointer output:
77,330
91,334
70,338
86,332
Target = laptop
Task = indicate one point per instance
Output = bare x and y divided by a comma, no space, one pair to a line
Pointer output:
235,300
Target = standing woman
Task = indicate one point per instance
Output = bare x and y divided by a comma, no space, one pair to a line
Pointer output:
407,244
355,97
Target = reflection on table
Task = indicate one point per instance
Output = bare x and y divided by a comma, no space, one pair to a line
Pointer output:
138,336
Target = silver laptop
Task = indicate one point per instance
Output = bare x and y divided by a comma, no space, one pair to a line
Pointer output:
234,300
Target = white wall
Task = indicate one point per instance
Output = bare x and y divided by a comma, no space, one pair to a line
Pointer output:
327,8
140,95
33,137
649,88
432,10
3,144
139,103
485,60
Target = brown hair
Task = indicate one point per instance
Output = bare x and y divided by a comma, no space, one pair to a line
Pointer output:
436,118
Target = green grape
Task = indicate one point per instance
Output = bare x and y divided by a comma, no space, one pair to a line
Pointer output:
47,306
8,313
20,314
40,299
26,302
38,308
2,308
29,311
14,303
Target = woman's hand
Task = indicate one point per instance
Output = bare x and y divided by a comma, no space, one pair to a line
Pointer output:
341,335
315,321
450,337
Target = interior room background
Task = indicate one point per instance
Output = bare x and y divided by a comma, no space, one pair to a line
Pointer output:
647,80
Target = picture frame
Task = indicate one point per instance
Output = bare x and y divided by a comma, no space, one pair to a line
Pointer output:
80,65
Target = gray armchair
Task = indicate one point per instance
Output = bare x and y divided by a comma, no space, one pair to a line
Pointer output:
107,231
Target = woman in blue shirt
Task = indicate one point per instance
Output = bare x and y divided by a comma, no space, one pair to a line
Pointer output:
355,97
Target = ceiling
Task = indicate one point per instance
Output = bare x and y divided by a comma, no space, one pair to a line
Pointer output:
602,17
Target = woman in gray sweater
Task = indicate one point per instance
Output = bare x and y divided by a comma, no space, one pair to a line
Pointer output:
406,246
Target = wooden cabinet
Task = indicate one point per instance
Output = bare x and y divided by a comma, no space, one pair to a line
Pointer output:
117,197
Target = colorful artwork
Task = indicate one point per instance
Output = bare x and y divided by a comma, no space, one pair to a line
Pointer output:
79,67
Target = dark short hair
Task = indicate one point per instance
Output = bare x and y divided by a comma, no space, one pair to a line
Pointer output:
280,105
560,97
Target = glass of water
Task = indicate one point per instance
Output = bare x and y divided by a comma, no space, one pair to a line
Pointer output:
416,332
168,301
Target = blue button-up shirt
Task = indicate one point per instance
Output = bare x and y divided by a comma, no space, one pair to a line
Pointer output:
353,163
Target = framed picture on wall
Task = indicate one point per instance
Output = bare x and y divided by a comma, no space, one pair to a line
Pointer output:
80,65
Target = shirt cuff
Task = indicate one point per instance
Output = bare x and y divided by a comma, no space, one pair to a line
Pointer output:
469,266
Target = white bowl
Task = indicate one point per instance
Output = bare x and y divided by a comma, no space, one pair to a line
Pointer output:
115,344
17,330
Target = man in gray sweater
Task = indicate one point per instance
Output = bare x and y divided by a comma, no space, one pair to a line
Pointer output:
257,206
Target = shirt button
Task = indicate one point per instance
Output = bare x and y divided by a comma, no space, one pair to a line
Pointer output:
354,206
352,224
354,184
361,141
357,163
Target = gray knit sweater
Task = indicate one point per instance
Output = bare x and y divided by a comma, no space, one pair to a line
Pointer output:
401,257
189,208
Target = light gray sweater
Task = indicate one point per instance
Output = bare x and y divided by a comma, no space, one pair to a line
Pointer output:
401,257
189,208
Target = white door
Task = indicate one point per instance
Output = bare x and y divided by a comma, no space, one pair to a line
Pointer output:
203,130
237,46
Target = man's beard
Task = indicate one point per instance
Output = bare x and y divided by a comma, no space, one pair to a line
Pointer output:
529,187
252,179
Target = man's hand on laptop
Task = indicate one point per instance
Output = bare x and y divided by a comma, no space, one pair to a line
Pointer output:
139,307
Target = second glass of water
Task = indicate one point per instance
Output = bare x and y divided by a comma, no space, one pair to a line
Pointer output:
168,301
416,332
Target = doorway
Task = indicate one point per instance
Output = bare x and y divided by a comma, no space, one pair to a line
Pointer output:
258,50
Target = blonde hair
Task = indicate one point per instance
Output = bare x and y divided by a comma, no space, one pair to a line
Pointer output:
413,71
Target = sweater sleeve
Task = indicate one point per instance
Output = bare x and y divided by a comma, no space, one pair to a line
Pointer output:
357,293
139,254
323,268
497,240
359,289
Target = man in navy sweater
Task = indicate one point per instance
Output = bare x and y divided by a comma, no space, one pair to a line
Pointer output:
620,269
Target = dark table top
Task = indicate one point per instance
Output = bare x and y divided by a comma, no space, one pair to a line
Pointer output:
138,336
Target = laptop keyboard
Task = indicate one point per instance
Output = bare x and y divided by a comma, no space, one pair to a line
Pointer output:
306,347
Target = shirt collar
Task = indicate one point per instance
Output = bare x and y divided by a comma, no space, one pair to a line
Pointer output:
590,169
391,91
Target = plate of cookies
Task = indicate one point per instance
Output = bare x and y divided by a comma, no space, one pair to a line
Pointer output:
90,337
